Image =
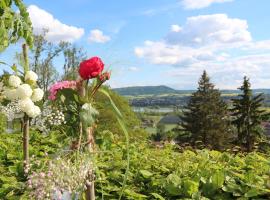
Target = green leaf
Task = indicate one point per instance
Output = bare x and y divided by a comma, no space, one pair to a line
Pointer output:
135,195
117,111
254,192
217,180
190,187
12,169
157,196
173,185
14,68
146,174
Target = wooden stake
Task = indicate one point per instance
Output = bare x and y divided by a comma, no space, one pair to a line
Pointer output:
90,185
26,118
26,139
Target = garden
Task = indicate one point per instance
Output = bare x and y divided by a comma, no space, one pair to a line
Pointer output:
81,140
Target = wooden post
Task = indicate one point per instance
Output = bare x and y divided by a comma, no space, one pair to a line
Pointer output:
25,58
26,139
90,185
90,191
26,118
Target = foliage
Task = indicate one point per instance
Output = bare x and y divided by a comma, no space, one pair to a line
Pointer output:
107,118
43,55
206,115
248,115
12,178
145,90
154,173
167,174
73,56
14,25
3,123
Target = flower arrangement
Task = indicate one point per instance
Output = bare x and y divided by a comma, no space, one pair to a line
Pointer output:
76,99
76,115
76,96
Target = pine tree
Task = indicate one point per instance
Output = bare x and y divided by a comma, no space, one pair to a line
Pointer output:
248,115
205,115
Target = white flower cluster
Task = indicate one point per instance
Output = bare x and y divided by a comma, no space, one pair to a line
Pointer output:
56,118
40,122
49,117
25,93
11,110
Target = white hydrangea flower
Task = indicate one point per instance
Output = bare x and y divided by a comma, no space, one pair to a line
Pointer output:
14,81
37,95
87,106
24,91
32,76
33,112
26,104
10,94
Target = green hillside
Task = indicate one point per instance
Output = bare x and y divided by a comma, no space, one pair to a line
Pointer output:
162,90
145,90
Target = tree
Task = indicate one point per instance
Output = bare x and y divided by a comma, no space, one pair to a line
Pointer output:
13,24
161,132
73,56
205,116
44,53
248,115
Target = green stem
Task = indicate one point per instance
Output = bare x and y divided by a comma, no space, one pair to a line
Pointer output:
95,90
86,89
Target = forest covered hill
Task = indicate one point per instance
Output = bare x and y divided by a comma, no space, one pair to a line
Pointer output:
162,90
141,96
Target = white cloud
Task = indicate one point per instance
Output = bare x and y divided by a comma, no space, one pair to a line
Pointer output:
198,4
210,29
160,10
98,37
257,45
57,31
227,74
195,43
176,28
221,45
163,53
133,69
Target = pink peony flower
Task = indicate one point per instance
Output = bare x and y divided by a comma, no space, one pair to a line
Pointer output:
59,86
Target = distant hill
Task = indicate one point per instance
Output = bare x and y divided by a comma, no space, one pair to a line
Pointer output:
144,90
160,90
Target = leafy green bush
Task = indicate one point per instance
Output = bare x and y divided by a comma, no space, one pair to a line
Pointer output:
167,174
154,173
12,179
107,119
3,123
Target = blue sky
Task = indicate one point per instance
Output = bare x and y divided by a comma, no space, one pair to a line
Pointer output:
164,42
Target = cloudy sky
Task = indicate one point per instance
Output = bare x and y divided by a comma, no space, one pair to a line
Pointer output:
164,42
